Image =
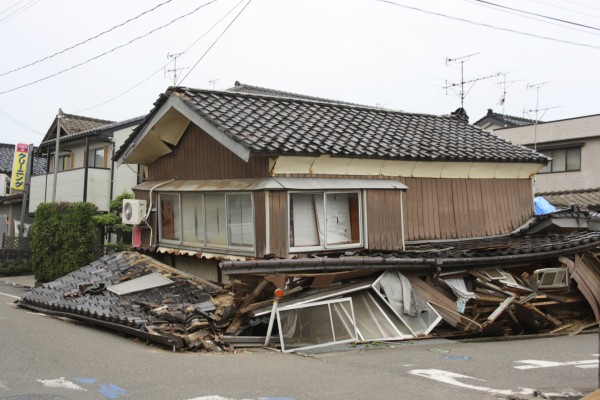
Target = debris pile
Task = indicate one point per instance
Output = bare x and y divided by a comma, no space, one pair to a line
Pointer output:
392,305
545,282
137,295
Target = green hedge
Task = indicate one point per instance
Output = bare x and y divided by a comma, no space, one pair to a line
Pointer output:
63,239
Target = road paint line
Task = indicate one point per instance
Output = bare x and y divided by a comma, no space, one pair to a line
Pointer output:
451,378
61,383
112,391
10,295
587,366
3,386
533,364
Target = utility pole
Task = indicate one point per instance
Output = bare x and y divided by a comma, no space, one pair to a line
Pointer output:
56,153
462,93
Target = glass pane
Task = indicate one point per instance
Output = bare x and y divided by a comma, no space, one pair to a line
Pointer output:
216,219
574,159
193,223
306,219
96,158
548,167
315,324
559,162
170,217
371,321
241,221
342,218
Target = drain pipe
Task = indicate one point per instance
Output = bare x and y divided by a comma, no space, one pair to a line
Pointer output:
278,293
150,206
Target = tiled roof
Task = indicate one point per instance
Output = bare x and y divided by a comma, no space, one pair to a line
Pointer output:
589,198
507,121
71,124
7,154
104,127
150,313
273,125
250,89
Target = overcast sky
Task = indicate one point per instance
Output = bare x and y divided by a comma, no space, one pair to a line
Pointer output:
388,54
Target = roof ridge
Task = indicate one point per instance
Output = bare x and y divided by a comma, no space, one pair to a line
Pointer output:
316,100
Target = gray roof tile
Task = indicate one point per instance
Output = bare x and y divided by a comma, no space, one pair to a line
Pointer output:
307,126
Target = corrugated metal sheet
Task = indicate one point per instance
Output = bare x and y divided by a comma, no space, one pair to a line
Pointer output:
274,183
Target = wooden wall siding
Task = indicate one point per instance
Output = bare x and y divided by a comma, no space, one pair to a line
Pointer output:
199,156
463,208
260,224
278,224
384,220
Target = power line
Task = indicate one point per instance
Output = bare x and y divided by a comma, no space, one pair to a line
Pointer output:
11,6
562,8
85,41
488,25
163,66
215,42
20,123
107,52
582,5
535,19
539,15
19,11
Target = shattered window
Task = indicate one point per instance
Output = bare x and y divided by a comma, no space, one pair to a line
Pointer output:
324,220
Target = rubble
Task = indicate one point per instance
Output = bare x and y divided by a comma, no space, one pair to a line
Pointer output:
545,282
180,311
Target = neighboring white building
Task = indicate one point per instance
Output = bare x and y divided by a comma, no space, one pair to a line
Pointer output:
86,171
574,145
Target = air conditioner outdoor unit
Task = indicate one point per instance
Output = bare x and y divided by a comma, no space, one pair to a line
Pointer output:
134,211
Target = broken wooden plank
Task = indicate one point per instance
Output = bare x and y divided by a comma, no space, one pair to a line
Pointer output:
542,314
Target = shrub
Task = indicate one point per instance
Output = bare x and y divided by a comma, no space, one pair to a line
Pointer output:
64,239
110,224
15,268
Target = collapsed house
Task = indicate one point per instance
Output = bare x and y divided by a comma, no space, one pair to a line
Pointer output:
533,281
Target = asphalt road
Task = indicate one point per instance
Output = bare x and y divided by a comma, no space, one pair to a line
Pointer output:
43,355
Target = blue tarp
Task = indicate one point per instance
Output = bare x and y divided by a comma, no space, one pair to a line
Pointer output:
542,206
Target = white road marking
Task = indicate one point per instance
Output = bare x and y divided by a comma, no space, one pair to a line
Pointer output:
532,364
214,397
61,383
3,386
10,295
452,379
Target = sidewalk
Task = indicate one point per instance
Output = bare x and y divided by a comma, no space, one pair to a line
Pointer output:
19,281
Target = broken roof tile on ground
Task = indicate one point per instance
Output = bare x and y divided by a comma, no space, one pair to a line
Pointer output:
135,294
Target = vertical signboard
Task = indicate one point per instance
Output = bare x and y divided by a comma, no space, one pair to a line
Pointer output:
19,171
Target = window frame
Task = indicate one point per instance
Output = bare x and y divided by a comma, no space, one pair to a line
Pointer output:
95,150
550,167
203,244
326,245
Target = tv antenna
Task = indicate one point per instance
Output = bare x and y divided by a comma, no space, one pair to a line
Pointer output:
505,85
213,82
175,70
462,93
537,87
